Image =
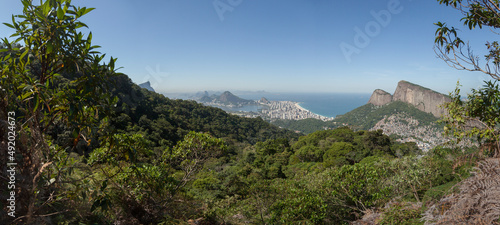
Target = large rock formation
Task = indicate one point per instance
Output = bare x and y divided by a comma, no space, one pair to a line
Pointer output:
422,98
264,101
380,97
229,98
147,85
226,99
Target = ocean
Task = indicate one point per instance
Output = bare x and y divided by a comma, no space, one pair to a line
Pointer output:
325,104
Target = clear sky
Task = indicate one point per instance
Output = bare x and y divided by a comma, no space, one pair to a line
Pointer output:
275,45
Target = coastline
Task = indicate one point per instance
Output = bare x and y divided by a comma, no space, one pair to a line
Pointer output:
325,104
288,110
297,104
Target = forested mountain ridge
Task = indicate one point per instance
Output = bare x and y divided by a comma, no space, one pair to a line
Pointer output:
161,118
226,98
366,116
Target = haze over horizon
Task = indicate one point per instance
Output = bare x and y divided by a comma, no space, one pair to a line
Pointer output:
276,46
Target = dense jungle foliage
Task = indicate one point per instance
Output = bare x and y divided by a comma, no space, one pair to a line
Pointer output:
305,126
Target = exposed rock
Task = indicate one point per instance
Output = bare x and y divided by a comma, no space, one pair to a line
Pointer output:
264,101
228,98
424,99
147,85
225,99
380,97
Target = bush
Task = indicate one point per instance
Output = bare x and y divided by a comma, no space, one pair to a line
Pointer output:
438,192
402,213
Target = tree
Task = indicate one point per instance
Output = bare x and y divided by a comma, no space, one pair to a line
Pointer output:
193,151
450,48
478,116
48,45
338,154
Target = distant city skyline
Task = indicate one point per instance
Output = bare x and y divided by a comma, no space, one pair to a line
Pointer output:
276,46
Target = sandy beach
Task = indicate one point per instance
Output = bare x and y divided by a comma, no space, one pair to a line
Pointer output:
297,104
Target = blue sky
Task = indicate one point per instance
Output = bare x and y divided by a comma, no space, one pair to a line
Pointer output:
275,45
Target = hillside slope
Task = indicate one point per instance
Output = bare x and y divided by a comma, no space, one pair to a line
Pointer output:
367,116
165,120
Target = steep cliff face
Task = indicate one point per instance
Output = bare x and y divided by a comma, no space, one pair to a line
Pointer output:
147,85
422,98
380,97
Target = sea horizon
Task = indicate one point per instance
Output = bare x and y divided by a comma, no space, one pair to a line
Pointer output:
324,104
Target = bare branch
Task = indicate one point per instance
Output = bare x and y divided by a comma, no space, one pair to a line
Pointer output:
496,7
463,61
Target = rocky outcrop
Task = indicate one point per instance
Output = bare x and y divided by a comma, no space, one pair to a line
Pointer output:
147,85
422,98
380,97
229,98
264,101
225,99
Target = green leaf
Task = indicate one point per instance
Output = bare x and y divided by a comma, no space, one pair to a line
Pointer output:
104,185
24,53
50,48
89,38
85,10
46,8
28,87
26,3
37,103
9,25
60,13
25,96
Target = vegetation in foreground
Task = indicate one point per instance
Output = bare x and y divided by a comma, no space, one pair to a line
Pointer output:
93,153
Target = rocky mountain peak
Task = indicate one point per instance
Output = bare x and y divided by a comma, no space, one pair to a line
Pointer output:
228,97
422,98
147,85
264,100
380,97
